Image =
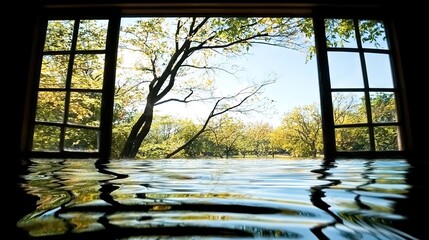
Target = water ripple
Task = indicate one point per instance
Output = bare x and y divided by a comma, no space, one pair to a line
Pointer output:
216,198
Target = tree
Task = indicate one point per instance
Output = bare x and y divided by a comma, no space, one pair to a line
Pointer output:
277,142
349,108
162,138
225,134
383,109
170,52
219,108
302,131
259,135
201,146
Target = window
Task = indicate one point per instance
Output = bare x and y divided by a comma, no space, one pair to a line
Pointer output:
73,102
70,87
362,84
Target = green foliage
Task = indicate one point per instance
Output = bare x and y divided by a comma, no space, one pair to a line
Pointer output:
225,133
372,32
200,147
259,135
54,71
78,139
59,35
119,136
46,138
342,33
167,134
352,139
350,110
92,34
84,106
339,32
383,107
301,131
386,138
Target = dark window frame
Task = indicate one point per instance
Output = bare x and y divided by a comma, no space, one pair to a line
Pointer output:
114,13
326,91
107,90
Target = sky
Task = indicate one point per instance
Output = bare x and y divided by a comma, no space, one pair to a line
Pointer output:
296,84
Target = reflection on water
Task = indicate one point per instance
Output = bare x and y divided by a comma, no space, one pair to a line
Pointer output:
223,198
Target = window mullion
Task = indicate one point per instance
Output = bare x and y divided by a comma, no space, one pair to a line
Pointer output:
68,84
107,103
324,88
366,85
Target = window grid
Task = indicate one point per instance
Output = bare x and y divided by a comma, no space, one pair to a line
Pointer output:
68,90
366,90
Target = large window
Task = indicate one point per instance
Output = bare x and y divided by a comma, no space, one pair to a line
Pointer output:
73,101
70,86
364,96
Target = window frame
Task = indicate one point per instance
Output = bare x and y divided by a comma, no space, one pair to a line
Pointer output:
107,90
328,123
114,13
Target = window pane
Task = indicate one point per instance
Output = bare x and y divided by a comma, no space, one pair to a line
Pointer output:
85,109
340,33
345,70
379,70
46,138
92,35
383,107
352,139
54,71
59,35
88,70
50,107
349,108
386,138
77,139
372,34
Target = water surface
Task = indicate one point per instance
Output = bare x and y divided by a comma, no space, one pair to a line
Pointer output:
216,199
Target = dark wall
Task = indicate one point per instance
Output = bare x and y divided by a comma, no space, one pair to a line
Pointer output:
19,38
410,47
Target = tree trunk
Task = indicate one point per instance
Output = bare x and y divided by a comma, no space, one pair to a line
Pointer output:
138,132
314,150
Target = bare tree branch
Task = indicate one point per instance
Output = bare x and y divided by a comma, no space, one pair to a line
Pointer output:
208,68
213,114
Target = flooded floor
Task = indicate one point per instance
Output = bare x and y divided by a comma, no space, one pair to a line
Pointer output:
220,199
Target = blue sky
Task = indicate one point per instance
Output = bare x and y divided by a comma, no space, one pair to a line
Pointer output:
296,84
